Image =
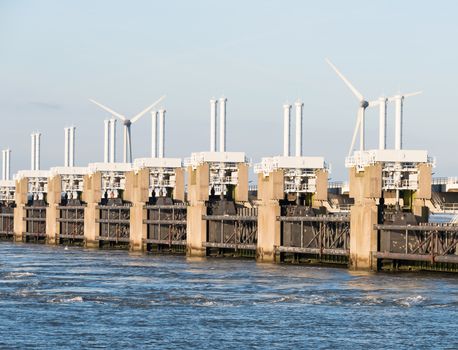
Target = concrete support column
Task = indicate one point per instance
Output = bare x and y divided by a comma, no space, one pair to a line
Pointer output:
20,198
137,192
366,189
178,191
137,227
52,212
270,191
241,190
423,193
91,227
19,223
92,195
321,195
198,187
363,236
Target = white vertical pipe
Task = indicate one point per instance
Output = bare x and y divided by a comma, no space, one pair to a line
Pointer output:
286,129
213,106
66,147
398,123
72,146
38,151
3,164
32,152
362,129
8,164
106,141
222,124
112,141
299,106
153,134
161,132
382,123
125,143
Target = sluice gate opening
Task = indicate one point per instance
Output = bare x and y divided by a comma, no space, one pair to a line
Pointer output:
71,222
166,227
6,221
306,236
424,246
35,222
232,229
114,223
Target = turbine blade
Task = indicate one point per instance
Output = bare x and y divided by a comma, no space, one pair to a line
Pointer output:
147,109
355,132
358,95
392,98
109,110
413,94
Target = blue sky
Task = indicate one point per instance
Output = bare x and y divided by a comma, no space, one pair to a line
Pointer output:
54,55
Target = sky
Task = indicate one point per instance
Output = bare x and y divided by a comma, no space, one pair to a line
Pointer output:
55,55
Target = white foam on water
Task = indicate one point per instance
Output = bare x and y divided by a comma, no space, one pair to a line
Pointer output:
410,301
77,299
19,274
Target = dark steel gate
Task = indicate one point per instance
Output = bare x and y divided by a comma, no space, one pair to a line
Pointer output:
6,222
237,233
320,238
166,227
35,223
71,223
114,223
425,246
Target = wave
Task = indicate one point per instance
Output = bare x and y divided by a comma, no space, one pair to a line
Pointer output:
77,299
12,275
410,301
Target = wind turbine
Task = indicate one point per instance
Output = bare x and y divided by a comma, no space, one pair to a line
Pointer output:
127,154
363,104
399,105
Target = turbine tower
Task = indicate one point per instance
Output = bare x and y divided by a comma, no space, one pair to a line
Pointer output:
363,104
127,152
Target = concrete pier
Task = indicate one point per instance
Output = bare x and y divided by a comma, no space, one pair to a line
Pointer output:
136,192
270,192
198,193
92,196
297,183
366,189
19,210
389,187
54,197
217,199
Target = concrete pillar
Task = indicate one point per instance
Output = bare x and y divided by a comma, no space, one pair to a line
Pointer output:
137,192
52,212
91,227
366,189
270,191
423,194
178,191
92,195
137,227
241,190
198,187
20,198
321,194
363,236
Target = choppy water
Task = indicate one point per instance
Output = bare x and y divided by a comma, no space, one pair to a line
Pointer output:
56,298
